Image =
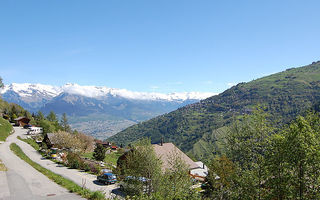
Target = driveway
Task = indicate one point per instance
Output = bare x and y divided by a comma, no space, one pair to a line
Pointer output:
79,177
22,181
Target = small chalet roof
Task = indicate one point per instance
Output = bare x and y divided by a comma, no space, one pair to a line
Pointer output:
201,171
20,118
50,135
201,165
167,150
102,142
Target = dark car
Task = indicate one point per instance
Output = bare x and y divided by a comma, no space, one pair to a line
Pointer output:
27,126
107,178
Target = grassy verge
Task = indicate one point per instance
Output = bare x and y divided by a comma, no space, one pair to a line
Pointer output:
112,158
66,183
5,129
31,142
88,155
2,166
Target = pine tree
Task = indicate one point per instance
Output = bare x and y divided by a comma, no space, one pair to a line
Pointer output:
99,152
1,83
40,116
52,117
64,123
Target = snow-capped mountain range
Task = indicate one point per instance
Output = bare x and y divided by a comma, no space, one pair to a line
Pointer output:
97,110
29,90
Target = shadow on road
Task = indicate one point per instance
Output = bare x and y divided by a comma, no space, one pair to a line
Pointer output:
98,183
118,192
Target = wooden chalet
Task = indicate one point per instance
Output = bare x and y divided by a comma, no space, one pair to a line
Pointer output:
21,121
48,140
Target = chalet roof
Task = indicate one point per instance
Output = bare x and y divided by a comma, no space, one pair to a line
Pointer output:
201,165
166,151
102,142
50,136
19,118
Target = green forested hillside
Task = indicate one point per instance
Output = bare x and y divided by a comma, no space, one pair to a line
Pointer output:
199,128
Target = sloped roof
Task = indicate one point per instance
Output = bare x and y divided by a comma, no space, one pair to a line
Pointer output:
201,165
50,135
166,151
19,118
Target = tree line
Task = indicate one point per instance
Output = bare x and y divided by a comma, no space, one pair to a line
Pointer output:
261,160
265,162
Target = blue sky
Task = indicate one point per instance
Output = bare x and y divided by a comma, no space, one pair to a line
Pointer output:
161,46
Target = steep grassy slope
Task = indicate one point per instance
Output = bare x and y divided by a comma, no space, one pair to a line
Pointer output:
198,128
5,129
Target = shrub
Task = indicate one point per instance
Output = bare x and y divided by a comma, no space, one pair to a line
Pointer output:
94,168
97,195
73,160
86,167
75,164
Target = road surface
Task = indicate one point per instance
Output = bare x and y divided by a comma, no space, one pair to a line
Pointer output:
81,178
22,181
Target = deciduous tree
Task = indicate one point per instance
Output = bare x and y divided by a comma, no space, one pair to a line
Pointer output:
246,147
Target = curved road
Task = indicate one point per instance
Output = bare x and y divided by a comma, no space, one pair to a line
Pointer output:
79,177
22,181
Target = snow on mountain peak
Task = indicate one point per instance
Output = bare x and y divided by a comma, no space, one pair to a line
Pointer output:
88,91
27,90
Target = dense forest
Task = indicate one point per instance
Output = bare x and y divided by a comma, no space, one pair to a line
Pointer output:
199,128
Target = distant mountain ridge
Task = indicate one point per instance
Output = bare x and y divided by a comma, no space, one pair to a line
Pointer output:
27,92
199,128
93,104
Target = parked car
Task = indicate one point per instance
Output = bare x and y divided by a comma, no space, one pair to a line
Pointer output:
27,126
107,178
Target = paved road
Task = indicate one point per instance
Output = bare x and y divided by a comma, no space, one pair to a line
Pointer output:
22,181
79,177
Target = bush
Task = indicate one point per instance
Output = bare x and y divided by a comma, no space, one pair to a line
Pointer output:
94,168
74,160
97,195
84,166
75,164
